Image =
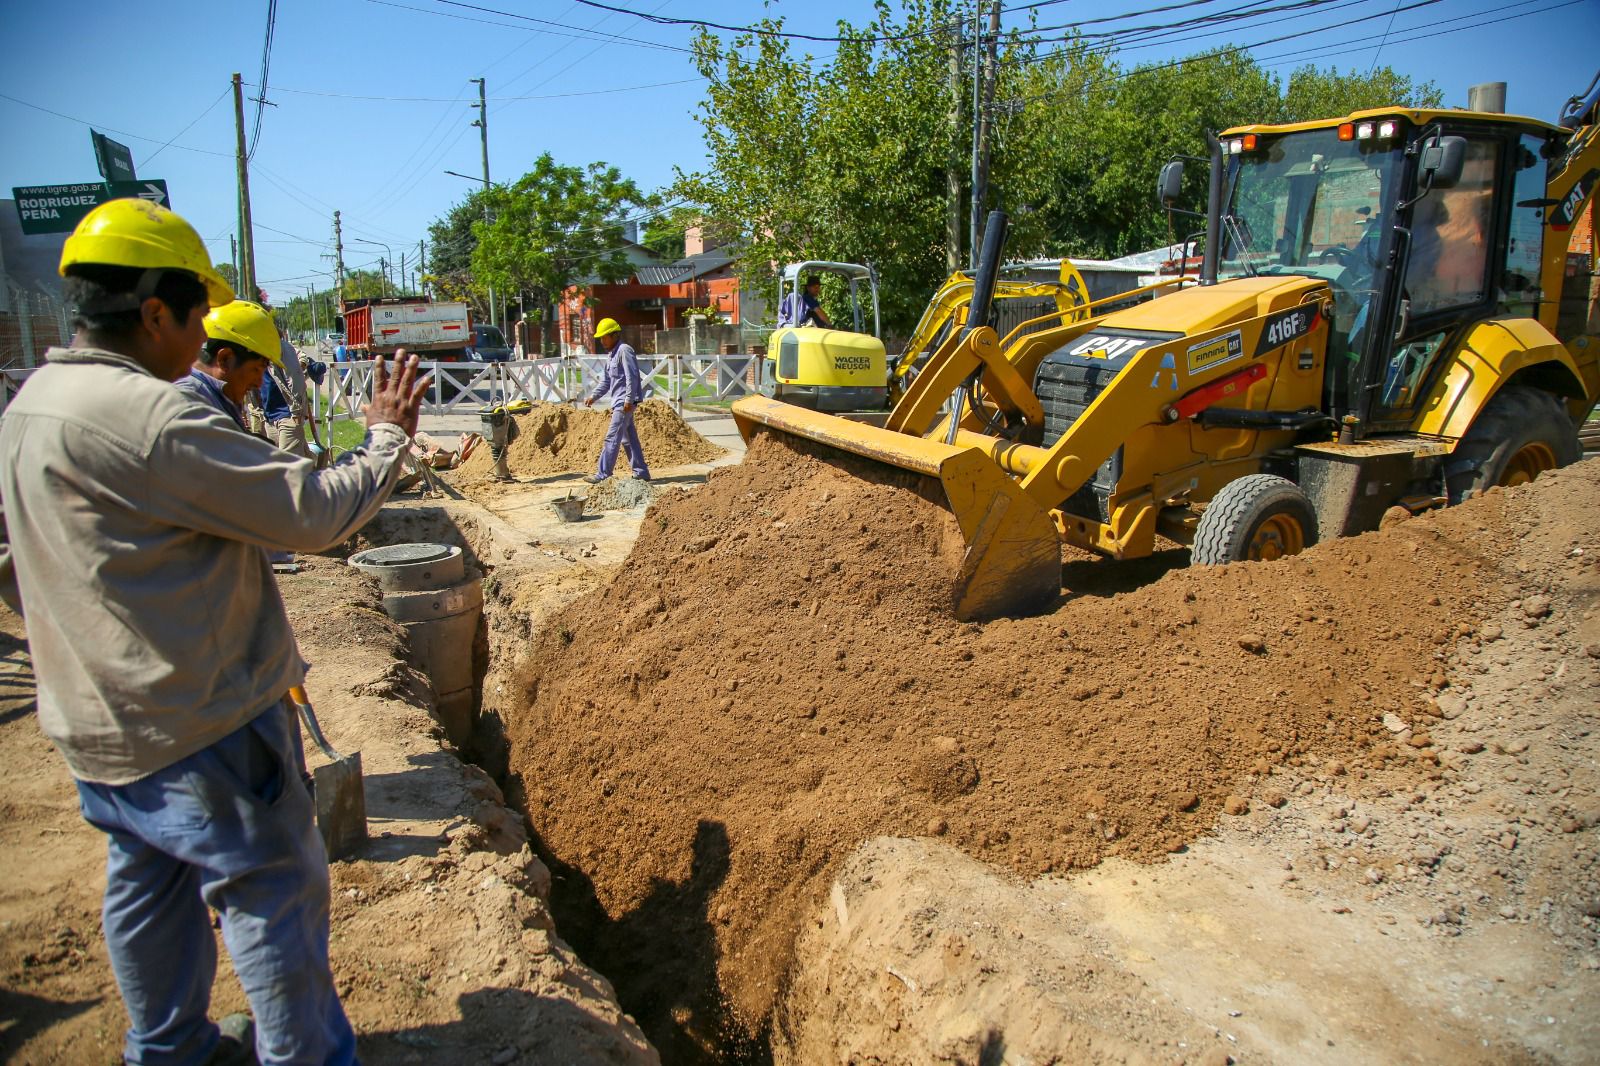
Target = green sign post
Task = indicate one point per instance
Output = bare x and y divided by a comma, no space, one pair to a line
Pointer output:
59,208
115,160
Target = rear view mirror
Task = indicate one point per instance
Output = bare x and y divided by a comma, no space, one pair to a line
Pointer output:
1442,161
1170,184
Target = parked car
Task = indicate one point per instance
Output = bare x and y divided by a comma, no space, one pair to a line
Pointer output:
488,345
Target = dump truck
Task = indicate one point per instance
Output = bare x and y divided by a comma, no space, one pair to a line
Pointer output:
1376,327
438,330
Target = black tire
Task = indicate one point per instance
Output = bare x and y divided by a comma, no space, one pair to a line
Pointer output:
1522,433
1259,516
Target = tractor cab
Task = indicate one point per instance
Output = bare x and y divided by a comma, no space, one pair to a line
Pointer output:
813,361
1423,224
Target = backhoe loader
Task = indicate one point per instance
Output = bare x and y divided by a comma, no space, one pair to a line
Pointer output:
1374,326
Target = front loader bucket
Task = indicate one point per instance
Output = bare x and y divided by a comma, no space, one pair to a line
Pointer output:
1013,557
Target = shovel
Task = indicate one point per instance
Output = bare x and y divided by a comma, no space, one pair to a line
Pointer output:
341,802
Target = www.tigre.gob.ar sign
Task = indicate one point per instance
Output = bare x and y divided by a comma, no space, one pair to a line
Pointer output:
59,208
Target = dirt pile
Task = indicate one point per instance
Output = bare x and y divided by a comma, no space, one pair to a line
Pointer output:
563,439
620,494
772,678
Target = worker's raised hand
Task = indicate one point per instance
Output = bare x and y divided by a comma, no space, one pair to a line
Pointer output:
397,393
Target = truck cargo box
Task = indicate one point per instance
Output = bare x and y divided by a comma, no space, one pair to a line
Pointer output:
432,329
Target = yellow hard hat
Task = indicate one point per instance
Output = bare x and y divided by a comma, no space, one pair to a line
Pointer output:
606,328
138,233
246,325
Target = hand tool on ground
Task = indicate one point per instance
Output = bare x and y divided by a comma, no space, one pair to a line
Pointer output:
340,798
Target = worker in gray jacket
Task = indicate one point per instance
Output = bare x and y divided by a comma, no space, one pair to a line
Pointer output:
135,524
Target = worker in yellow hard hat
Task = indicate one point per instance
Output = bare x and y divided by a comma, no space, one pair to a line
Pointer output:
134,522
625,383
241,343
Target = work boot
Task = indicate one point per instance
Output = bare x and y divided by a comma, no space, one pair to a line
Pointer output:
593,479
238,1044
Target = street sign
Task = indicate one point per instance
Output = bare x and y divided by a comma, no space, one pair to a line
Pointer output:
154,190
115,160
59,208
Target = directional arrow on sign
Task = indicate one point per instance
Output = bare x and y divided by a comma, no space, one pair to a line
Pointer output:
152,189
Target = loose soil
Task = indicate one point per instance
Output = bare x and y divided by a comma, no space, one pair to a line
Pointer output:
562,439
443,945
1347,914
773,678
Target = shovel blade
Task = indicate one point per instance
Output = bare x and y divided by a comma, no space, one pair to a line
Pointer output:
341,805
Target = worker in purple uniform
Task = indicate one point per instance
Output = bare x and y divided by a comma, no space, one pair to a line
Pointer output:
626,386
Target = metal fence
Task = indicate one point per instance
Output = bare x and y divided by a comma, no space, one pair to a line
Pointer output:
462,388
30,322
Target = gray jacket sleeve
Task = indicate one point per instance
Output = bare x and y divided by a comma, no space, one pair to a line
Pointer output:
8,570
205,475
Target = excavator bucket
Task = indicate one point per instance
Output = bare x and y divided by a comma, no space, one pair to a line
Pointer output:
1012,562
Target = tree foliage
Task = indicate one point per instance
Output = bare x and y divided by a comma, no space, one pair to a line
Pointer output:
555,226
451,242
848,159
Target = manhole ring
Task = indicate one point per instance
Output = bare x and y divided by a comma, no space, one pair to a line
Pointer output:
401,555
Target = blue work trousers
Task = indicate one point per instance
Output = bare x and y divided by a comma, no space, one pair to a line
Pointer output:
622,433
231,826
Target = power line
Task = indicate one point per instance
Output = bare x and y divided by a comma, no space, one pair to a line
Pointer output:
1384,39
1245,47
113,129
492,99
266,61
145,161
761,31
529,29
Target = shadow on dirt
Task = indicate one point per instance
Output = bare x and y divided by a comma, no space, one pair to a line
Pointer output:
1094,577
29,1015
661,956
496,1025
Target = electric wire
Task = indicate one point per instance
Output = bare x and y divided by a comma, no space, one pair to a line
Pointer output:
112,129
528,29
220,97
266,61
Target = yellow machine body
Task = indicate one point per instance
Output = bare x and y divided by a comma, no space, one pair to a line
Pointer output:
1107,429
826,369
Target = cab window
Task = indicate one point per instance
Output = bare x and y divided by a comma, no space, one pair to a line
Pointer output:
1520,294
1451,232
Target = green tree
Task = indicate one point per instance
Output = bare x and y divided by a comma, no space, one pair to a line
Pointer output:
847,160
451,242
554,227
1314,94
663,234
229,274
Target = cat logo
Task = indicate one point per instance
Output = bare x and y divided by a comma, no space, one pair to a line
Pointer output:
1286,326
1215,351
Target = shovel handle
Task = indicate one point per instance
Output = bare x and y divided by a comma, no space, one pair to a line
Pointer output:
302,703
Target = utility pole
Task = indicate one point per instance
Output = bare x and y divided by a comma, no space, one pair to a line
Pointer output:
403,285
482,122
233,250
338,259
983,86
422,279
952,170
977,131
247,258
311,297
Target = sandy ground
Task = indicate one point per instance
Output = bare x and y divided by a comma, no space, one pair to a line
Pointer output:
1349,914
443,947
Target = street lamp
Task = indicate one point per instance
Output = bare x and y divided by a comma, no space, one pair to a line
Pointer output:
387,262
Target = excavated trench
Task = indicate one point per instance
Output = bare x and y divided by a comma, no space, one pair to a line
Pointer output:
702,739
660,956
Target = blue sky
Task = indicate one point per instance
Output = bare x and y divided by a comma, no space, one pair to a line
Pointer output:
161,73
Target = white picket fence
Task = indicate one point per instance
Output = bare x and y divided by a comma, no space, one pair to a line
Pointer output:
462,388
